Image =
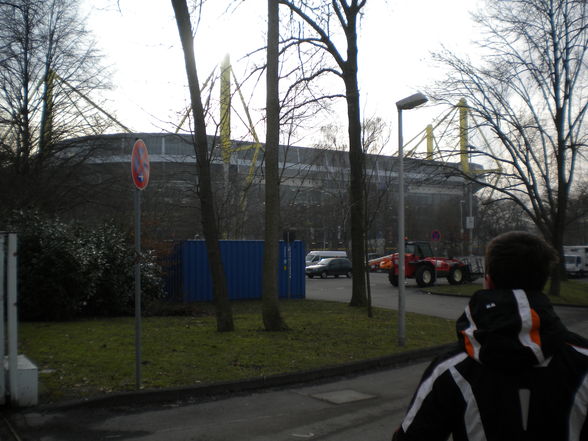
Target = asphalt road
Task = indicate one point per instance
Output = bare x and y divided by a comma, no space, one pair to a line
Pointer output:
363,407
384,295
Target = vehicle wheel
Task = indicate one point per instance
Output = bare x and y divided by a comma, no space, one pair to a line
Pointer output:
393,278
424,276
456,276
324,275
348,274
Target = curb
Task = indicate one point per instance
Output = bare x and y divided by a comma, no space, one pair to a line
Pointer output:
444,294
153,397
571,305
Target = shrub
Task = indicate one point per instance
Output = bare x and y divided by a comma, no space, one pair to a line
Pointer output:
51,280
68,271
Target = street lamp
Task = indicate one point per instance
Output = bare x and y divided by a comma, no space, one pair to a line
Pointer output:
461,202
404,104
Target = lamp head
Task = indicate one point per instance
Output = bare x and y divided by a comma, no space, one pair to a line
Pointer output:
412,101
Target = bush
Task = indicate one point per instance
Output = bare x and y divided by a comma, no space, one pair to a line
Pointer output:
68,271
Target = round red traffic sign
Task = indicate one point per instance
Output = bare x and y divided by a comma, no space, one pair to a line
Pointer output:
436,235
140,165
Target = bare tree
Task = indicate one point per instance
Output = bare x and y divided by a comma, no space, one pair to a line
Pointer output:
224,316
376,182
321,19
374,137
49,69
497,216
529,95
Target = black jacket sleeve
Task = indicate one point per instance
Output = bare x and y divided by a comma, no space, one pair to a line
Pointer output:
434,409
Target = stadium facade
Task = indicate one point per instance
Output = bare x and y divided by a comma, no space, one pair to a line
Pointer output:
314,196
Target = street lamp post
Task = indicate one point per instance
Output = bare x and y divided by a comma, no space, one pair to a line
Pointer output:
461,202
404,104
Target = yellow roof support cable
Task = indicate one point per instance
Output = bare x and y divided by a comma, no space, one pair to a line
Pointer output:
489,147
189,109
433,142
96,106
423,135
250,127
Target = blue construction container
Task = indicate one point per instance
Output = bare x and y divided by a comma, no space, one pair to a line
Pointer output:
188,276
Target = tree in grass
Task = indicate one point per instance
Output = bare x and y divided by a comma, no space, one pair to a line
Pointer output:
224,314
528,94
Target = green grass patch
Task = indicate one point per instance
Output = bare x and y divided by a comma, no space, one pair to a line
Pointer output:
573,292
94,357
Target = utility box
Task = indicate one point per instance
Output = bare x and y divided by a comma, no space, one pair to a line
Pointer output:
19,377
27,382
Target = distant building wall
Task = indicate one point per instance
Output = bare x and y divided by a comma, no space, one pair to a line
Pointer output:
313,192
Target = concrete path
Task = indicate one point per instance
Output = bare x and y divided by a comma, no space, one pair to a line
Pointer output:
367,407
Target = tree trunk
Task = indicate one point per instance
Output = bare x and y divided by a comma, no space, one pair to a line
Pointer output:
559,271
347,13
356,167
367,280
272,319
562,193
224,315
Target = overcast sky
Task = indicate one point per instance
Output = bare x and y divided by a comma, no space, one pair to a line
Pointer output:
141,44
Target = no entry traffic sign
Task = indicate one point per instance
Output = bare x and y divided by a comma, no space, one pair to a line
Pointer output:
140,165
140,174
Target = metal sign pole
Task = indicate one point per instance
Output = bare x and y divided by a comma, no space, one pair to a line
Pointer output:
289,267
11,283
2,323
138,288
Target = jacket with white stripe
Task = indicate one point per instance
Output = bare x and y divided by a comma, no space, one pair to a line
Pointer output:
516,373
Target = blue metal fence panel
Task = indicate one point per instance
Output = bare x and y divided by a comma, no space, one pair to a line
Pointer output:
189,276
295,276
243,263
171,268
195,275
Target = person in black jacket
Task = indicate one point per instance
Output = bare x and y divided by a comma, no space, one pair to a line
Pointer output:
516,372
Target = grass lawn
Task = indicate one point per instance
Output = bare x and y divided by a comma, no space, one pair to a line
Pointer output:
573,292
94,357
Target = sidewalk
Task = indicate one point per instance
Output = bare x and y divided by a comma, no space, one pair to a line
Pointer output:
366,407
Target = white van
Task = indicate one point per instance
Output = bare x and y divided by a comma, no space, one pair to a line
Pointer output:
574,265
314,256
572,252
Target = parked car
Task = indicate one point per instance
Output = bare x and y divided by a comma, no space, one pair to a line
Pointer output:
313,257
330,267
